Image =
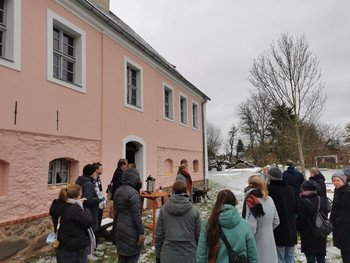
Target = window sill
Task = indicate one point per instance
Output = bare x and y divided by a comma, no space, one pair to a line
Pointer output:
67,84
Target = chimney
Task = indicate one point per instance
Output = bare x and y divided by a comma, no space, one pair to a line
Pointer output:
104,4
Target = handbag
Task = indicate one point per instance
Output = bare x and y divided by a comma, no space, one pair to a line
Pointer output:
322,226
233,256
52,238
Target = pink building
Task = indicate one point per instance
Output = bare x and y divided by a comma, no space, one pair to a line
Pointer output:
78,86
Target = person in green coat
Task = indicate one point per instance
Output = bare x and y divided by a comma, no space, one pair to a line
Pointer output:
211,248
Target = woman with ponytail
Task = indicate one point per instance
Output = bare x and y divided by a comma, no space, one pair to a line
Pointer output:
74,223
260,212
211,248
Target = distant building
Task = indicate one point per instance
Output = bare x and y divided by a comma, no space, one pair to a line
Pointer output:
78,86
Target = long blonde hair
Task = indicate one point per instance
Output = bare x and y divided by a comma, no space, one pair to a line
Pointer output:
259,183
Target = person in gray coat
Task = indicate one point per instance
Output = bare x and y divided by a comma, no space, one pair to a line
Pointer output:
129,232
178,228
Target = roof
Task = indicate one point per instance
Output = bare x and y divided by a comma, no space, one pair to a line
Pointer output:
127,32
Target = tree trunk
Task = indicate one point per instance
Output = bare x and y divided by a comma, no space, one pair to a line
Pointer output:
300,150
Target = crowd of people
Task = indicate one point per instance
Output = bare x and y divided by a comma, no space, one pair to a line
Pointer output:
277,206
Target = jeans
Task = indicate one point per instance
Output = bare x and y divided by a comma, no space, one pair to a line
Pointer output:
312,258
66,256
285,254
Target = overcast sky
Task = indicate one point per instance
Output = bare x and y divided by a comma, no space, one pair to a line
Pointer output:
213,44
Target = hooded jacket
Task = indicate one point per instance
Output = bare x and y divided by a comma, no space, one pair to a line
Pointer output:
127,213
177,231
74,222
237,232
88,191
320,180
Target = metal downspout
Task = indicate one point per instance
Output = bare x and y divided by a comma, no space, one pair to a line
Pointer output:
205,147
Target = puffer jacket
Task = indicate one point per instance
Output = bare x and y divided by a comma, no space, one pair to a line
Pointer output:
294,178
237,232
177,231
127,213
72,233
340,217
89,192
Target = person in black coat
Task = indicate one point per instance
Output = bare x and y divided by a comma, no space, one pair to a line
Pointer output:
74,222
313,247
293,177
117,176
340,215
284,198
129,232
317,176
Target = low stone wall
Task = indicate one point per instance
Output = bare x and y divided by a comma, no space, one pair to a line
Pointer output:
17,240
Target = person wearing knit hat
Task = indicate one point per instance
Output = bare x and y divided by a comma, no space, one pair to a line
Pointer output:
86,181
313,247
274,173
347,174
285,202
340,215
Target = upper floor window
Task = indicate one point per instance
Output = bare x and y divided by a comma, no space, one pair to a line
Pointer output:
168,102
183,110
66,50
10,34
195,114
59,172
63,55
133,85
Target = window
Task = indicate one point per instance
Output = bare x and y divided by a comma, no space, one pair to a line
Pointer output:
59,171
183,110
195,122
10,34
168,102
195,166
4,177
66,52
168,167
133,85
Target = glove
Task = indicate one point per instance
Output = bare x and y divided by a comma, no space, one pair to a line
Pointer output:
157,260
141,240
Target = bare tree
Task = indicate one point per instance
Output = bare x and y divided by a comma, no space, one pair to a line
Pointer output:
289,73
213,140
231,140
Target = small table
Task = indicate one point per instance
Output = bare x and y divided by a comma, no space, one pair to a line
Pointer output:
152,196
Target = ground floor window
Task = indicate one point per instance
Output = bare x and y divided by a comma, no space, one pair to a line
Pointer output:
59,171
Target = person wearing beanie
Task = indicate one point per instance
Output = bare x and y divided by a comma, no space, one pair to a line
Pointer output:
346,172
86,181
313,247
340,215
293,177
285,201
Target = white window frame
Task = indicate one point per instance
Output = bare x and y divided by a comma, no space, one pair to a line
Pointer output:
170,89
80,52
139,84
12,36
183,96
56,170
195,122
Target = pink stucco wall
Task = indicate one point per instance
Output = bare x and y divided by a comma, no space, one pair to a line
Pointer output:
92,126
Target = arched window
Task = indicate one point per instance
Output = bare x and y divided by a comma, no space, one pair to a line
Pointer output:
59,172
4,177
168,167
195,166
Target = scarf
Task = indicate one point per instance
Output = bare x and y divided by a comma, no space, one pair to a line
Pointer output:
251,200
188,179
89,230
307,193
182,194
99,192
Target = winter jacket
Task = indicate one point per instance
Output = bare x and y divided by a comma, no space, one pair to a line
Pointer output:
305,218
294,178
237,232
88,189
262,228
319,179
127,213
181,177
284,198
117,179
340,217
74,222
177,231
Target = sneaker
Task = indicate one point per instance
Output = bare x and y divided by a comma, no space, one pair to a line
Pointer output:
92,257
98,253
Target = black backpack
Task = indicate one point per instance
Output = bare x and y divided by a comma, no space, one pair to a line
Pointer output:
321,225
233,256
